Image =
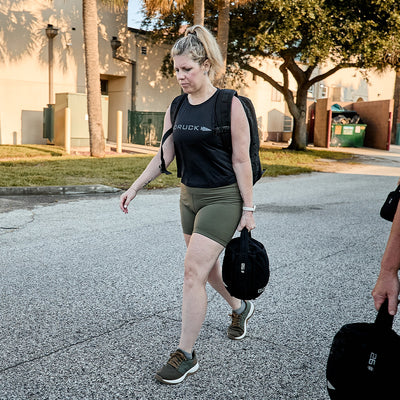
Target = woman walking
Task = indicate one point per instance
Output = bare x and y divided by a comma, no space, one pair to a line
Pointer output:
216,192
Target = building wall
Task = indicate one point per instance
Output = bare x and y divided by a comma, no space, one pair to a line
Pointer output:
346,85
376,115
269,104
355,85
24,65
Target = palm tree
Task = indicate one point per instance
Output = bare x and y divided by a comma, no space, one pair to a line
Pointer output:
91,41
198,13
224,7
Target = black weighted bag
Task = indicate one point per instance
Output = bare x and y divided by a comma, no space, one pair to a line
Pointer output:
245,267
389,207
364,360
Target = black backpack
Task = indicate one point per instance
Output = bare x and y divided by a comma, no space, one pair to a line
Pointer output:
222,127
245,267
364,360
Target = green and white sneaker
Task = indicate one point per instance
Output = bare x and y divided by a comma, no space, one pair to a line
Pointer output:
177,368
238,328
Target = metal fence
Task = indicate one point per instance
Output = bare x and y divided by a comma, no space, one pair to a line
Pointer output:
145,127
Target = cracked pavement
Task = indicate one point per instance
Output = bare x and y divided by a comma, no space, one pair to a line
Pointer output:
91,298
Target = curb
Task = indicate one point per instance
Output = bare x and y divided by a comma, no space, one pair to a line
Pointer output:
57,190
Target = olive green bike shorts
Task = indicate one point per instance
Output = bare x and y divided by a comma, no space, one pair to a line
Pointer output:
211,212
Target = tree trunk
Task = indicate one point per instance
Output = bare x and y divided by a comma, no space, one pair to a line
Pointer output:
198,18
223,27
299,135
89,12
396,108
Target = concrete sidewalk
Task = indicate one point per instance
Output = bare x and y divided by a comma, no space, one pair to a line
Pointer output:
370,161
56,190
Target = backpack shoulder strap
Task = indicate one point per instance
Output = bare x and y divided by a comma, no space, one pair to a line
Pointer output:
174,109
166,135
175,106
223,106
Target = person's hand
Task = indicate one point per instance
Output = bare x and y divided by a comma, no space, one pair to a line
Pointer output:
387,286
247,221
126,198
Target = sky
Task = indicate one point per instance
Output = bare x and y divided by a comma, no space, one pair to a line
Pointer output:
135,15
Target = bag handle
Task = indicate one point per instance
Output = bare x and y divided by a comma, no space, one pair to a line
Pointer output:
245,236
384,320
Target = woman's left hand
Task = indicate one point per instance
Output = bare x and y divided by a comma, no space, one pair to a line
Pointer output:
247,221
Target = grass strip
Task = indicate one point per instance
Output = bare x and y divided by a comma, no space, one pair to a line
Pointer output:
52,168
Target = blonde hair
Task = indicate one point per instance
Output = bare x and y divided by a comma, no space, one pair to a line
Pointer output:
200,45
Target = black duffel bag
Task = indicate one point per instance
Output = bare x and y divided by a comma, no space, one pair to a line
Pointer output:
364,360
245,267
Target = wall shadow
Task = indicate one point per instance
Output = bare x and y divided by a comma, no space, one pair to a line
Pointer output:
18,30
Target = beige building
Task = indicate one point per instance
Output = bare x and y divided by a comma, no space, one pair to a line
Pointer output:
27,73
37,70
347,85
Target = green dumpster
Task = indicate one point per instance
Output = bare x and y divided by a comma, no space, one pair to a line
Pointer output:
349,135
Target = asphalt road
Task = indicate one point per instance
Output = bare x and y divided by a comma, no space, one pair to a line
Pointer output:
91,298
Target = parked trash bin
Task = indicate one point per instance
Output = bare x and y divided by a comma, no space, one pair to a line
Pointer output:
348,135
347,129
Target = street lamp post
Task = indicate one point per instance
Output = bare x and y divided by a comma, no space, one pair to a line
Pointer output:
51,33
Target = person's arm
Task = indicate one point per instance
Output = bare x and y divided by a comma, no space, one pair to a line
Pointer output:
240,133
387,284
153,169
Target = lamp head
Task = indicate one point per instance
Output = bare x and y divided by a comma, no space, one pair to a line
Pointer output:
115,44
51,32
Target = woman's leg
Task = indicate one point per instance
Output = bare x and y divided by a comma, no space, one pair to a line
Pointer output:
215,280
201,256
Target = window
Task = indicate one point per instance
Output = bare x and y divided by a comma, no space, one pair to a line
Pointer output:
287,123
143,50
323,91
337,94
276,95
310,92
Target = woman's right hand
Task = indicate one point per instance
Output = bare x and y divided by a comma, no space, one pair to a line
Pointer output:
387,286
126,198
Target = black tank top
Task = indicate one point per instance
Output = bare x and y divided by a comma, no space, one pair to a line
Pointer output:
201,158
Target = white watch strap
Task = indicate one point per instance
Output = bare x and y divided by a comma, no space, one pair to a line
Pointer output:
249,208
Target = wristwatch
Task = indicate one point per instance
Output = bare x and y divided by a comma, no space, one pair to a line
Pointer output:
249,208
